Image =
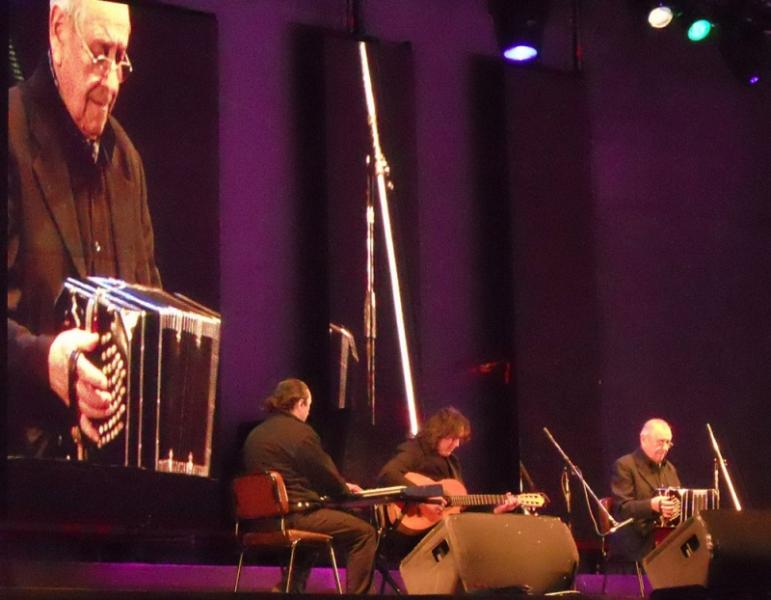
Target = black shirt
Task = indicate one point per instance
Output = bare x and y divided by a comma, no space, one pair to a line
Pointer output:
86,168
286,444
413,456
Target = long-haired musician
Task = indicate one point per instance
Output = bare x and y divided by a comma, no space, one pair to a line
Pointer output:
284,442
430,457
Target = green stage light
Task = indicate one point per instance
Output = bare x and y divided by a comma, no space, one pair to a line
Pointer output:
699,30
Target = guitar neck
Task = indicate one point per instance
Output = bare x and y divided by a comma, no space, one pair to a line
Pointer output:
476,500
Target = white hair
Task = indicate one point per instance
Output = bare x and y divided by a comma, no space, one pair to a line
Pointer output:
652,424
65,5
71,7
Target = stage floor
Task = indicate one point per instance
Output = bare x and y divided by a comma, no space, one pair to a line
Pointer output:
61,579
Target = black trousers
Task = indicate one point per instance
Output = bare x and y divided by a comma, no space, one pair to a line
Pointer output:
354,536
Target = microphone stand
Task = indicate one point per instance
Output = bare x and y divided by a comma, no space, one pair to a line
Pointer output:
724,469
614,525
524,478
382,171
370,300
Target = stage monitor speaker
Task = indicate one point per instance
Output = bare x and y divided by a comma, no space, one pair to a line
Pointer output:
715,549
481,551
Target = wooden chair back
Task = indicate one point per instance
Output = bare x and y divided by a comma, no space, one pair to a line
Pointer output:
263,496
260,495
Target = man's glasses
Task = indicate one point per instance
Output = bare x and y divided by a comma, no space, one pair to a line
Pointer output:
104,65
664,443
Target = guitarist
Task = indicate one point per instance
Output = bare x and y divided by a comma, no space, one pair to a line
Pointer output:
430,454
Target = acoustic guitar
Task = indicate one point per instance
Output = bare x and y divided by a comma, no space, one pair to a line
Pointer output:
410,521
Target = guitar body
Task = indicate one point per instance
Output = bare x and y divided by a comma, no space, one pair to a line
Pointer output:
410,519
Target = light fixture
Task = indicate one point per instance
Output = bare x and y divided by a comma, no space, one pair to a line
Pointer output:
519,27
520,52
699,30
742,29
698,19
660,15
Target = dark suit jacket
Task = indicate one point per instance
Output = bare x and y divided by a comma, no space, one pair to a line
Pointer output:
413,456
285,444
44,240
633,483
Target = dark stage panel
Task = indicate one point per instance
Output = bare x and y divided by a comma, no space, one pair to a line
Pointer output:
54,492
59,510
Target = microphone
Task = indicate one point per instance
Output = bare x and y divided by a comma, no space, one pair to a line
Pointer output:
565,483
618,526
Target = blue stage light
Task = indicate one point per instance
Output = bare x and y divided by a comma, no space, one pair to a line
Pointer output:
520,53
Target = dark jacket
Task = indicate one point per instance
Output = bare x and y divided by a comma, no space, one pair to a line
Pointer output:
44,240
413,456
634,480
285,444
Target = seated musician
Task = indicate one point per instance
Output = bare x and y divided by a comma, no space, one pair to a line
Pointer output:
284,442
427,458
635,479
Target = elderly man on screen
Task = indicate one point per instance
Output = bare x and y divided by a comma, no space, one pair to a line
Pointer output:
77,206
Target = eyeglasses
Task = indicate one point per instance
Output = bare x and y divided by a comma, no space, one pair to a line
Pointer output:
105,65
663,443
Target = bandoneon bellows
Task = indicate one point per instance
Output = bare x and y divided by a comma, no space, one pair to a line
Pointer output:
690,502
160,353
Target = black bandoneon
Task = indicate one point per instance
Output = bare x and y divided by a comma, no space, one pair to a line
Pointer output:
159,352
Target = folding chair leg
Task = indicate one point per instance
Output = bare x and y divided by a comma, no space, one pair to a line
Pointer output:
291,567
334,568
381,564
385,578
640,579
238,572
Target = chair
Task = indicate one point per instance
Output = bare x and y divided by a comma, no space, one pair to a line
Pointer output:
603,521
382,528
262,499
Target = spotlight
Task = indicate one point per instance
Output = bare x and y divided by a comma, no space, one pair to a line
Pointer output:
698,19
519,27
660,15
520,52
699,30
